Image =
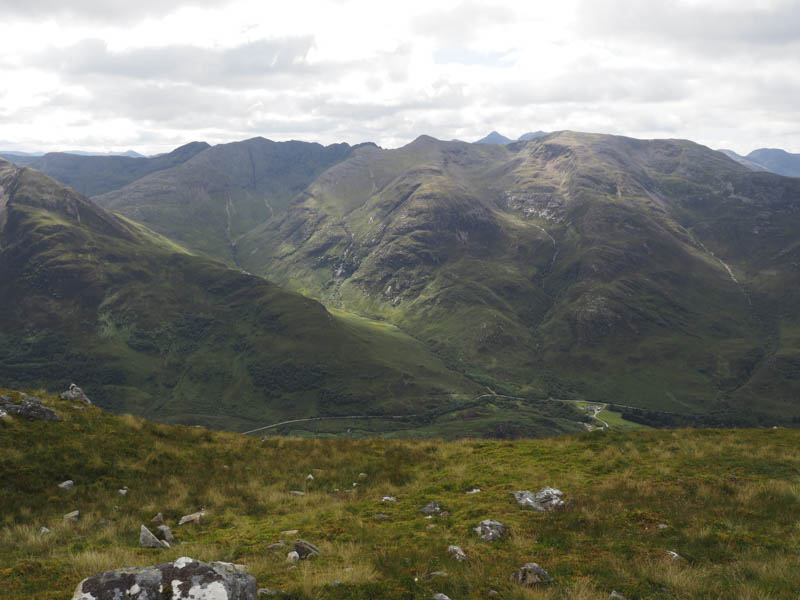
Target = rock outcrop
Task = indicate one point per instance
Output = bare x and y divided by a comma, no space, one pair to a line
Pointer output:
545,500
31,408
530,575
490,530
183,579
75,394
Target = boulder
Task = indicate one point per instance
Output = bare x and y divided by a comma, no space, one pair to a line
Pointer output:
431,508
123,491
362,476
490,530
457,553
73,517
158,519
277,545
192,518
545,500
472,491
531,575
297,493
75,394
440,596
66,486
30,408
305,549
44,531
292,557
183,579
615,595
164,533
148,540
388,499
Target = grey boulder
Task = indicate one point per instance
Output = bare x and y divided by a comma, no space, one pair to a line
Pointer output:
148,540
183,579
531,575
545,500
431,508
490,530
305,549
67,485
164,533
30,408
457,553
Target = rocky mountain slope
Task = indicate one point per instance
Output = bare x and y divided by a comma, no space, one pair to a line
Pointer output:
146,327
91,175
652,273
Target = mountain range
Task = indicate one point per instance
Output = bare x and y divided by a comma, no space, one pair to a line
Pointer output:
659,275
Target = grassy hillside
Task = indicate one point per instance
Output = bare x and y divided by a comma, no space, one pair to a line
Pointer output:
92,175
657,274
148,328
727,502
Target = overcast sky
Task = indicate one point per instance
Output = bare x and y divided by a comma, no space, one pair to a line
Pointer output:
153,74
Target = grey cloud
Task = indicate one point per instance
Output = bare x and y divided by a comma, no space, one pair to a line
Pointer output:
233,67
731,29
106,11
463,23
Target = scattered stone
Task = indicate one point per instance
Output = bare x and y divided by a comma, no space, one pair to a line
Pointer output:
545,500
531,575
30,408
185,578
292,557
164,533
290,532
615,595
490,530
305,549
297,493
429,576
473,491
362,476
431,526
457,553
83,408
494,593
431,508
66,486
309,477
673,555
381,517
277,545
662,525
158,519
355,484
192,518
388,499
269,592
440,596
123,491
73,517
148,540
75,394
44,531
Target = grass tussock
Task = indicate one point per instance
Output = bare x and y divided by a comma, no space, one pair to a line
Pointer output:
727,502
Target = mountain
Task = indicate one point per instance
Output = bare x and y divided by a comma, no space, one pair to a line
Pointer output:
777,161
207,202
753,166
533,135
91,175
494,138
658,274
145,327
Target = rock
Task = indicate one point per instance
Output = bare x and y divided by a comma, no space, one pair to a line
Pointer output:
457,553
30,408
269,592
123,491
429,576
362,476
662,525
388,499
277,546
75,394
192,518
545,500
158,519
305,549
473,491
290,532
292,557
381,517
148,540
673,555
490,530
615,595
44,531
66,486
309,477
494,593
531,575
297,493
440,596
73,517
183,579
431,508
164,533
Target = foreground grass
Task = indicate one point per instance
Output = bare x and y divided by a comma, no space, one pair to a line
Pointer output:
730,501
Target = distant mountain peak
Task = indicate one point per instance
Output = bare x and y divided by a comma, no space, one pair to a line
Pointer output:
494,138
532,135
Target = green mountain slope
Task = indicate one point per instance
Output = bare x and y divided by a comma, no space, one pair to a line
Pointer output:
777,161
209,201
574,265
92,175
145,327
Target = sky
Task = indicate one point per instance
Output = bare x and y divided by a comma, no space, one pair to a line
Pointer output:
111,75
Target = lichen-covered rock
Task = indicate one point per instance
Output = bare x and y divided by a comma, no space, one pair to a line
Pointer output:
545,500
490,530
531,575
75,394
431,508
184,579
164,533
457,553
148,540
305,549
30,408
